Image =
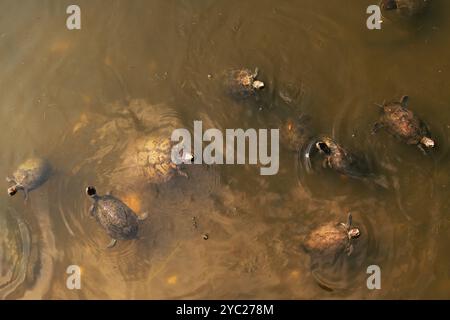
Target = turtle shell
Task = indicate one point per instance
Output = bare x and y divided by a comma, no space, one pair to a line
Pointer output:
329,239
403,124
32,173
147,160
119,221
240,83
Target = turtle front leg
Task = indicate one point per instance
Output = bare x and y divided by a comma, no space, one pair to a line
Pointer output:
182,173
25,194
92,210
421,148
376,127
143,216
349,250
326,163
10,180
112,244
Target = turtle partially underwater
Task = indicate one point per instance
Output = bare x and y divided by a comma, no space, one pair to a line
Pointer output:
403,124
242,83
332,239
141,135
119,221
295,132
407,8
30,175
148,159
340,159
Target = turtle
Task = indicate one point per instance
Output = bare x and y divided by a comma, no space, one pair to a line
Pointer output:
242,83
295,132
402,123
332,239
407,8
119,221
340,159
148,159
30,175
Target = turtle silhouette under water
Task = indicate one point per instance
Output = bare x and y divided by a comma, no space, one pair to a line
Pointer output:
29,176
403,124
119,221
406,8
331,240
295,132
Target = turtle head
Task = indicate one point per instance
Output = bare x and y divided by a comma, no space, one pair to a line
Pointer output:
323,147
258,84
91,191
12,190
354,233
427,142
389,4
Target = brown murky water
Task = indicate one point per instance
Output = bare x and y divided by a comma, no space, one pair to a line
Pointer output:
61,93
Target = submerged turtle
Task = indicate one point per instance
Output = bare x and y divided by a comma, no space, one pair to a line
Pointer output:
295,133
148,159
242,83
119,221
29,175
340,159
407,8
331,240
402,123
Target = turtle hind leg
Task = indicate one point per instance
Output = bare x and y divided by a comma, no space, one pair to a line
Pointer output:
112,244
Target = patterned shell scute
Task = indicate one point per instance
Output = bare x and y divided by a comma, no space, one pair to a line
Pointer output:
116,218
327,239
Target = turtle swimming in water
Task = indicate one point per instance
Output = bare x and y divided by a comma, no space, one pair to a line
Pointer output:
30,175
340,159
331,240
119,221
242,83
407,8
402,123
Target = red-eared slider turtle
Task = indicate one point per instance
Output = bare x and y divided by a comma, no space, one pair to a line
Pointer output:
30,175
332,239
340,159
295,133
119,221
242,83
407,8
402,123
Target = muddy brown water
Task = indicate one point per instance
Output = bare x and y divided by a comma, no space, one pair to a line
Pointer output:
61,94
